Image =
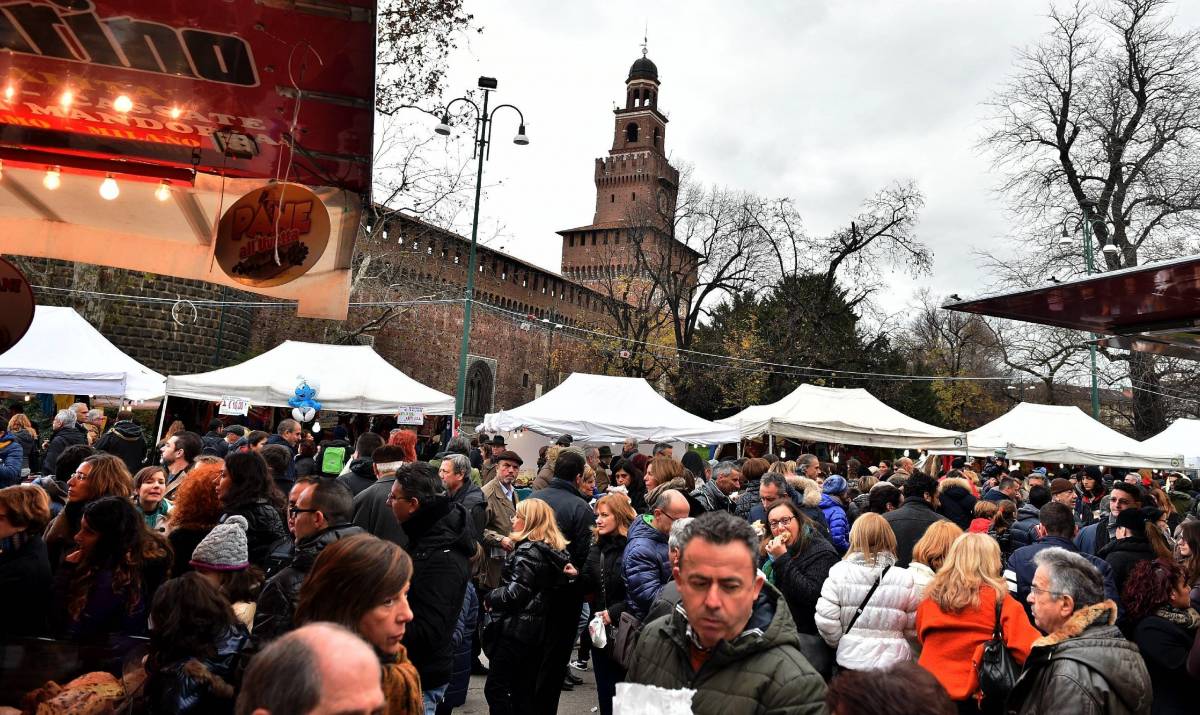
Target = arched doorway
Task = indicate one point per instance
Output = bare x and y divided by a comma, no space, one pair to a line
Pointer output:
478,400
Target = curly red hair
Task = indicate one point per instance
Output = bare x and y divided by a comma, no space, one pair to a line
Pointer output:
196,503
1149,586
405,439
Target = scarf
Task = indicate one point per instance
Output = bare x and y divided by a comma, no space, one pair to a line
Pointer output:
1185,617
401,685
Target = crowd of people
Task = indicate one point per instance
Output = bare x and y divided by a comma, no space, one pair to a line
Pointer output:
261,575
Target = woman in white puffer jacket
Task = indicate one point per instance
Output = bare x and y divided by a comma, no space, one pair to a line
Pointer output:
881,636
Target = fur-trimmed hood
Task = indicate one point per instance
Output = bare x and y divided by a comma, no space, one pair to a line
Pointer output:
809,491
953,482
1104,613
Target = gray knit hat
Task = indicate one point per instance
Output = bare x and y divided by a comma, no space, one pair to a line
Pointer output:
224,549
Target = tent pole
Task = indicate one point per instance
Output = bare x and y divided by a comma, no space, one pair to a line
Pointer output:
162,419
770,443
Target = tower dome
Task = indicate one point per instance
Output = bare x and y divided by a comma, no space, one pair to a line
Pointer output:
643,68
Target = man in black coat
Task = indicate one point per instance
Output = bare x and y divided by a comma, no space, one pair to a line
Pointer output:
127,441
214,441
441,546
65,434
455,474
288,434
914,516
564,494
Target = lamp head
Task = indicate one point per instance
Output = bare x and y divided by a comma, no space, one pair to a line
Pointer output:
1110,249
520,139
443,127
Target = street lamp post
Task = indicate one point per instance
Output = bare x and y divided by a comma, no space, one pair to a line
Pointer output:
1088,206
483,140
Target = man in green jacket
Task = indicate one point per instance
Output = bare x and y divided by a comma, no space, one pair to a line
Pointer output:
731,639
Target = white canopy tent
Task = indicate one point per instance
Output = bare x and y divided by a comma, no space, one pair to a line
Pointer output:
1181,437
351,378
63,354
599,408
841,416
1064,434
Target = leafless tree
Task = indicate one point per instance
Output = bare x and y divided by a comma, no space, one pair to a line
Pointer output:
414,42
1104,111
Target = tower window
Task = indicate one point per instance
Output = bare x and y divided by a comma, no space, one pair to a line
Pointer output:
633,196
571,242
612,199
631,133
657,136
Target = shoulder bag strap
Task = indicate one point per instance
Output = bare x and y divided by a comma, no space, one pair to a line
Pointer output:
865,601
998,632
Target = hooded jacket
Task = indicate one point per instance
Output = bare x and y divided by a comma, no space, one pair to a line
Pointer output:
11,459
28,444
645,567
1024,530
880,637
440,544
360,476
60,440
527,581
1085,668
198,685
839,525
266,528
373,513
956,502
759,671
127,441
1124,554
277,602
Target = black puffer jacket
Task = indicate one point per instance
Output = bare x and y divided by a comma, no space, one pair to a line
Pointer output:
127,441
1124,554
277,602
60,440
199,686
529,576
957,503
440,544
799,576
575,518
266,528
360,476
601,576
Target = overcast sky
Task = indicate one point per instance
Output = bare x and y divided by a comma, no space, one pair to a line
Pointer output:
823,101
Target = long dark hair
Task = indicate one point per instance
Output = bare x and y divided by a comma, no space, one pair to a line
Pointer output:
252,481
637,485
1189,533
189,615
350,577
119,550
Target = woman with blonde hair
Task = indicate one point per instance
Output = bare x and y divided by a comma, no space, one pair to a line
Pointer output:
965,603
868,604
519,604
22,430
665,473
602,577
930,551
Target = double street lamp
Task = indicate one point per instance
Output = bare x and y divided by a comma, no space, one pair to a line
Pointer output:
482,149
1109,249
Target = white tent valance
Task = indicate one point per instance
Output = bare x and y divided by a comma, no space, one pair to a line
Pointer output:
1181,437
63,354
840,416
1064,434
351,378
600,408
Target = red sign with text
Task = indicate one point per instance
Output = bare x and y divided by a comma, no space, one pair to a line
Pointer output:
176,82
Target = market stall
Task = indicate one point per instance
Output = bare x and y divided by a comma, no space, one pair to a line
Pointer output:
1181,437
840,416
62,354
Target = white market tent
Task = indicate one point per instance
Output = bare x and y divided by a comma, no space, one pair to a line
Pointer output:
1181,437
1065,434
600,408
841,416
351,378
63,354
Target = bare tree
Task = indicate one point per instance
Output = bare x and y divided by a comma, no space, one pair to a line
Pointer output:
1106,112
414,42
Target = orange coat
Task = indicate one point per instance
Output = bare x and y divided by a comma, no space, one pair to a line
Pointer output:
951,643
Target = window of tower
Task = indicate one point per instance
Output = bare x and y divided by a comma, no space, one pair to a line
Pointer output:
571,242
612,199
633,196
657,136
631,133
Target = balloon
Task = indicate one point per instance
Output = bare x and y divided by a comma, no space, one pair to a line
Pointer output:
316,427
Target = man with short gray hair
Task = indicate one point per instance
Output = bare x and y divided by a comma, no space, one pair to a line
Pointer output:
64,435
1083,664
714,494
455,474
318,669
808,466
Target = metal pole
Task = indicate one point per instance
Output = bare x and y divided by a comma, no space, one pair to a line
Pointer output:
460,392
1091,267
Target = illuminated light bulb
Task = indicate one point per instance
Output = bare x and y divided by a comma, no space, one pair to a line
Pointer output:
53,178
163,192
109,189
27,397
10,92
123,104
176,112
66,99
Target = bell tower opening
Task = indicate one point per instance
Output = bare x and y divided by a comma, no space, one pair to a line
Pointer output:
631,133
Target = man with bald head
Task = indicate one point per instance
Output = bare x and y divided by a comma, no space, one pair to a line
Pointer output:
647,561
319,669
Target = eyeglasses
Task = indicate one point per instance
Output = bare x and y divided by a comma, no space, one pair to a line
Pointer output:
81,475
294,511
1035,591
781,523
393,498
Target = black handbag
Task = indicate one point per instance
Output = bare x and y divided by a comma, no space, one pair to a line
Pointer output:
998,672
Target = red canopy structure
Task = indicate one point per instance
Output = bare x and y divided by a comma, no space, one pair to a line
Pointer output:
129,128
1152,308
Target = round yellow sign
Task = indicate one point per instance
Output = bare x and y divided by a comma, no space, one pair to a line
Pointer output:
272,235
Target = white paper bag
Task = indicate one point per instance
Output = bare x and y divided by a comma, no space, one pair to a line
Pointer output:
634,699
